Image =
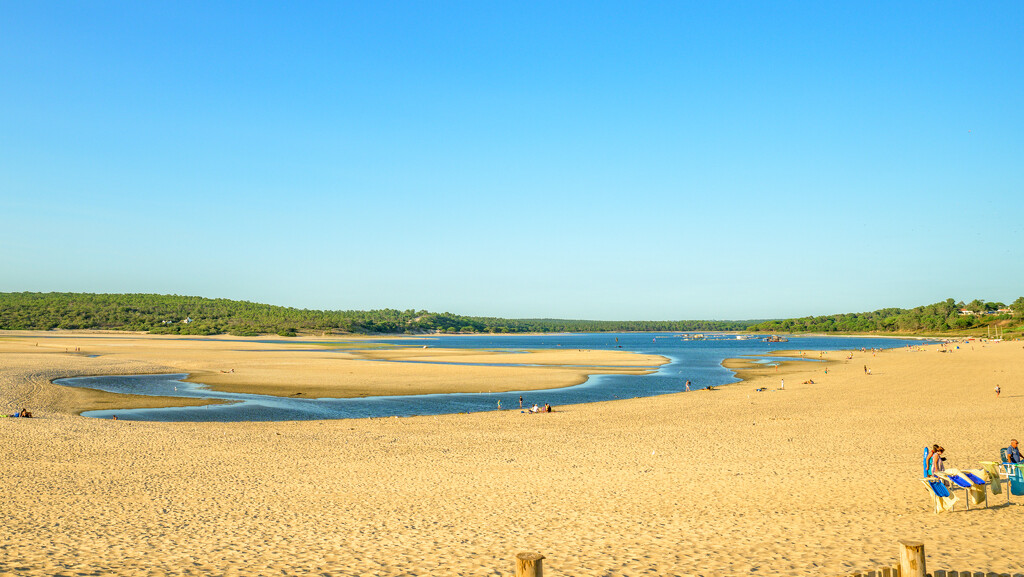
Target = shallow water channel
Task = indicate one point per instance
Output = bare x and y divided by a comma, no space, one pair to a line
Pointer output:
696,360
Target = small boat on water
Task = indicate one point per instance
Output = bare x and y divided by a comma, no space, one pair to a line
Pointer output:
776,339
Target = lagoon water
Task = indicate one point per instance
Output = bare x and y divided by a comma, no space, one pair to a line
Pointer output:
696,360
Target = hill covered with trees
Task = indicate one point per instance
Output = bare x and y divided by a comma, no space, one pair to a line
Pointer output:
187,315
942,317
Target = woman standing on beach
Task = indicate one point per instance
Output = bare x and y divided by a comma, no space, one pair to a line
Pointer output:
928,460
937,460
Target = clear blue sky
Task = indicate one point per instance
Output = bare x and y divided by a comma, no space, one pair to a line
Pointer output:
655,160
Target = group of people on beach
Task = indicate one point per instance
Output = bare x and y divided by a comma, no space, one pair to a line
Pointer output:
935,459
24,413
534,409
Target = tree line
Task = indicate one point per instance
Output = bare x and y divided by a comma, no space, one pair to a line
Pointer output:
188,315
941,317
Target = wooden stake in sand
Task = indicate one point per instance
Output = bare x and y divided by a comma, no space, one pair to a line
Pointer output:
529,565
911,558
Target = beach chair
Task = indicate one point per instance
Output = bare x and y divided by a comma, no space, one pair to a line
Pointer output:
956,480
1015,477
942,499
979,491
1013,472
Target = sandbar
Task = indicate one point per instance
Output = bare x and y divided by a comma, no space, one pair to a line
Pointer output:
314,367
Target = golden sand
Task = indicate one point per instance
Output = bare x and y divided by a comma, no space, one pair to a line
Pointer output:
815,480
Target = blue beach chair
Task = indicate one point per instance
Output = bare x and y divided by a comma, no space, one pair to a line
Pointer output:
956,480
942,499
974,478
974,487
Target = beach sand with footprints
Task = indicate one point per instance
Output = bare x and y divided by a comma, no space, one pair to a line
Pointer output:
818,479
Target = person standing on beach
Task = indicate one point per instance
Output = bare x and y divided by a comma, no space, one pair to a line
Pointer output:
865,369
687,385
937,460
782,385
997,390
520,401
928,460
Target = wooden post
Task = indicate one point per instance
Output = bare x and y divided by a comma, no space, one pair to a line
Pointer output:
529,565
911,558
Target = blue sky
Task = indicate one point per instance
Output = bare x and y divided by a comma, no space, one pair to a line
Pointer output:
662,160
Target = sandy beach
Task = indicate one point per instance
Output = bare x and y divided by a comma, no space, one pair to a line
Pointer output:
818,479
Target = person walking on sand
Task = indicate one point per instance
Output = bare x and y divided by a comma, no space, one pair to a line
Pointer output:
687,385
865,369
997,390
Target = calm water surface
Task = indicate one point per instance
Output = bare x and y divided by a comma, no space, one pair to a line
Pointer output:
696,360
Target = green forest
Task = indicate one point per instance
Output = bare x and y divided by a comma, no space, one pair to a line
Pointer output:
172,314
948,316
187,315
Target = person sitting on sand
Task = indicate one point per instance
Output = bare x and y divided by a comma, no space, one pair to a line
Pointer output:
547,408
535,408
